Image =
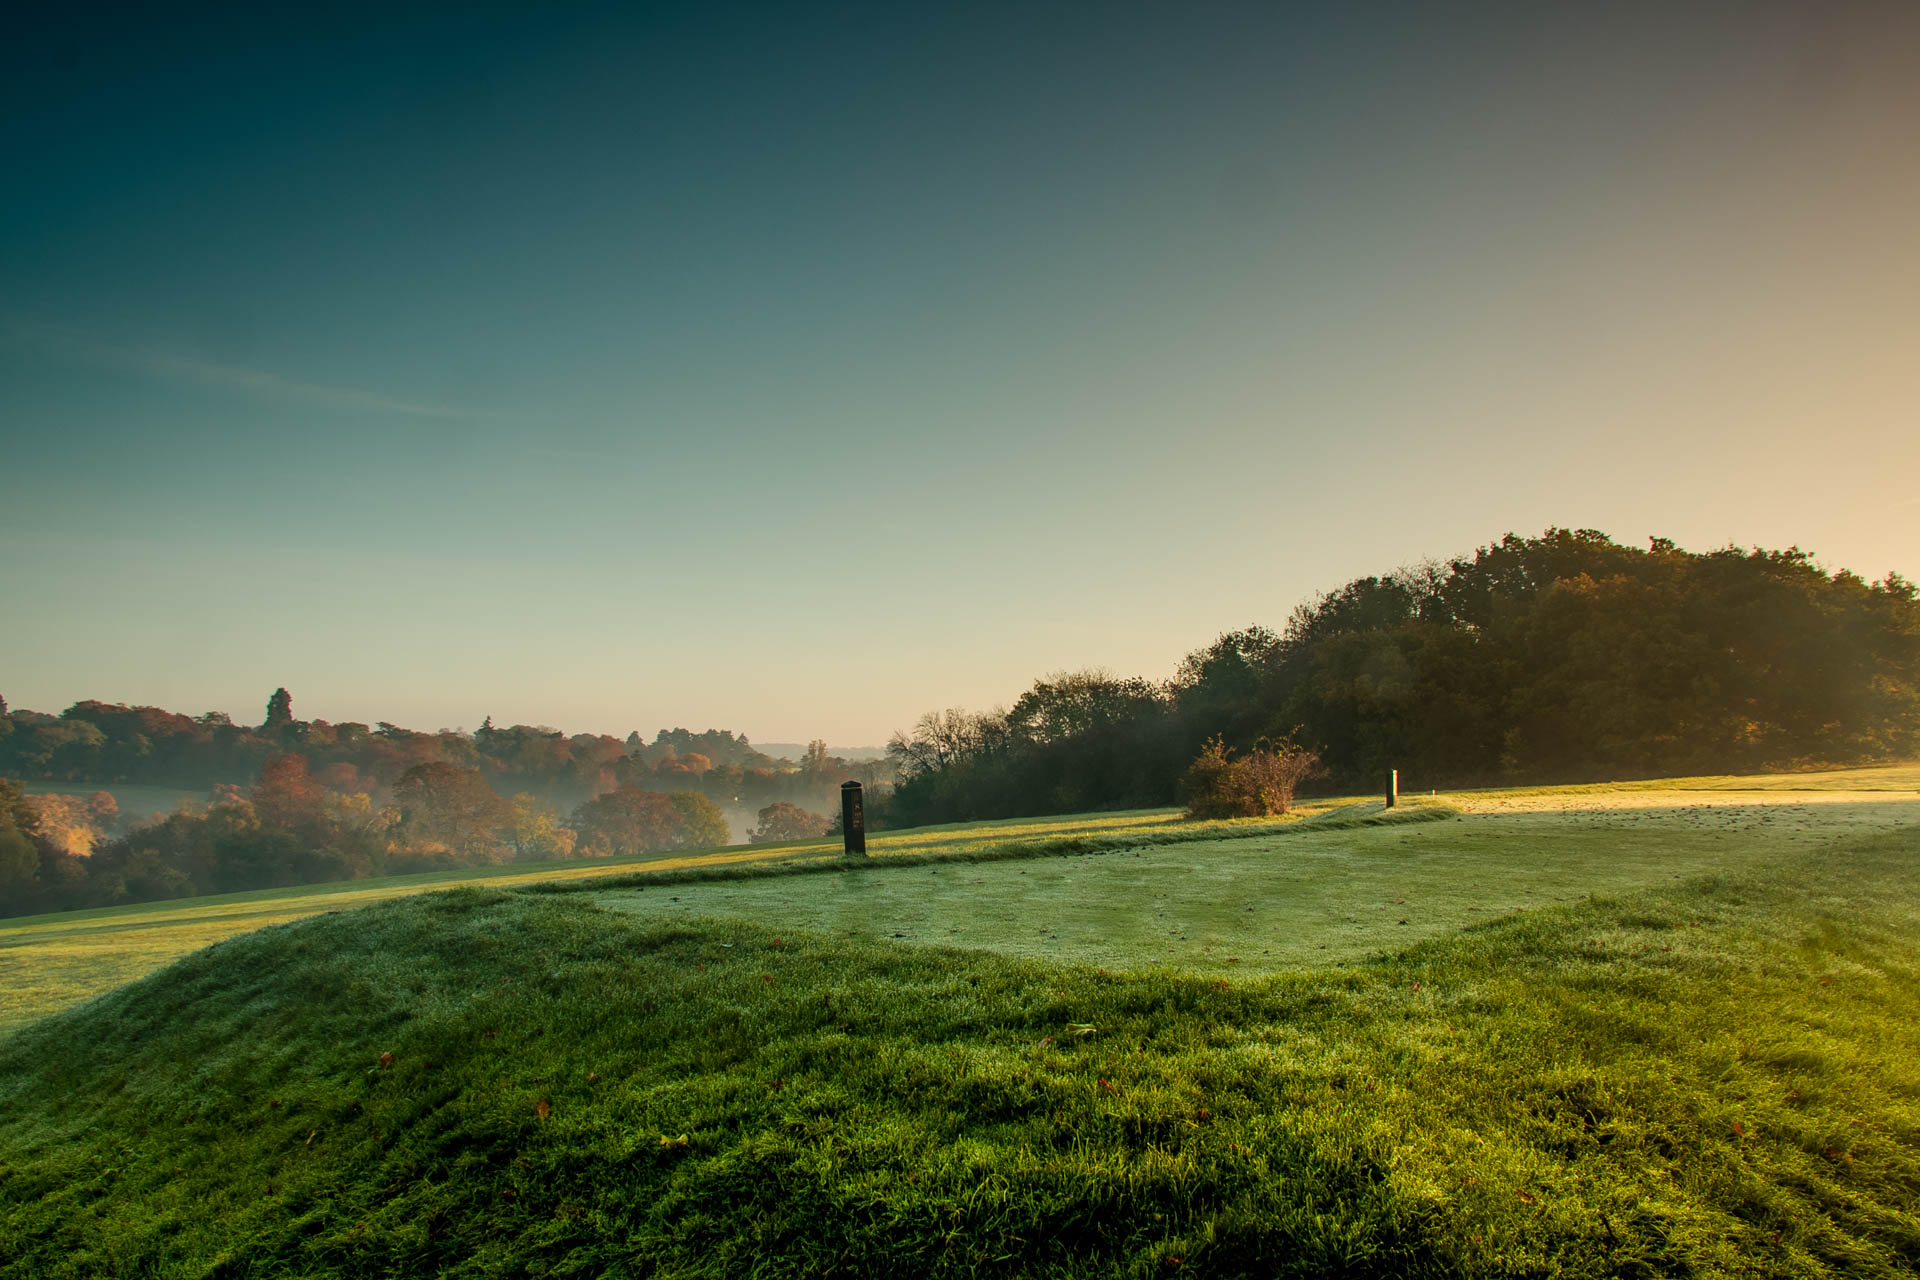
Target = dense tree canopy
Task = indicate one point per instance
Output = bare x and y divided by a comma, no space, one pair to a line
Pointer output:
783,821
631,820
1557,658
296,801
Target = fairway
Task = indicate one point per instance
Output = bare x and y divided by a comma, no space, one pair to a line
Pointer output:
51,962
1283,900
1274,895
1595,1032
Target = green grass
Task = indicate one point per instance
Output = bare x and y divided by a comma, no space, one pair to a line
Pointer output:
54,961
1678,1039
1267,900
1899,778
1717,1077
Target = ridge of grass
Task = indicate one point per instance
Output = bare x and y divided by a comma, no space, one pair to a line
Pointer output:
56,960
1347,818
1718,1078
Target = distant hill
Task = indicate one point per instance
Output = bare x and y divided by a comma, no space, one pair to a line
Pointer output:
795,750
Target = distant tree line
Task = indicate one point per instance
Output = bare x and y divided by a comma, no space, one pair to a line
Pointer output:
289,828
1565,657
106,744
299,802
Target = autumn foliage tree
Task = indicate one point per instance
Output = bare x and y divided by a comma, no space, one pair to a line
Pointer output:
445,808
631,820
288,797
783,821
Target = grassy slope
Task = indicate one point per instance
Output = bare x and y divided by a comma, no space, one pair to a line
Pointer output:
1718,1077
50,962
1268,901
55,961
1899,778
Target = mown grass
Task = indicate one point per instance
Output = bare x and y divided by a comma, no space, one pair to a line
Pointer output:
50,962
55,961
1719,1077
1316,893
1903,779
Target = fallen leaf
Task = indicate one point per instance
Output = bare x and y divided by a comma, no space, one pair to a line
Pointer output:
543,1108
1739,1128
386,1059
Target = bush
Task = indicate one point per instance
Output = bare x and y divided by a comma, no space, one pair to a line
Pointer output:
1257,785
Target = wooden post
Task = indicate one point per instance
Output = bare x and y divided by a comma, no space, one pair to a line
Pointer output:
1393,787
853,819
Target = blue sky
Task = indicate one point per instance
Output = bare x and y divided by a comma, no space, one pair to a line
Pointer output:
796,370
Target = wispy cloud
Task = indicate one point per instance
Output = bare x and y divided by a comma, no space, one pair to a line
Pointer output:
69,344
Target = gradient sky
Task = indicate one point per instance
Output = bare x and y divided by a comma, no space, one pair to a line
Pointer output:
797,369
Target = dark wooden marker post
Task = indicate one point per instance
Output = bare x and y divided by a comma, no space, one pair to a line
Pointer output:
853,819
1393,787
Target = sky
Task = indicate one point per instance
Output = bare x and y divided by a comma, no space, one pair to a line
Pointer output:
800,369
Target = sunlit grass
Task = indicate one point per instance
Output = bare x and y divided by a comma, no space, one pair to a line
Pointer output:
1901,779
49,962
1271,900
53,961
1720,1076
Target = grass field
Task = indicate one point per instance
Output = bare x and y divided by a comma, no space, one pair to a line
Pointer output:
1583,1035
53,961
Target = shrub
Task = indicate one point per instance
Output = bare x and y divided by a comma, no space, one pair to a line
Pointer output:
1257,785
